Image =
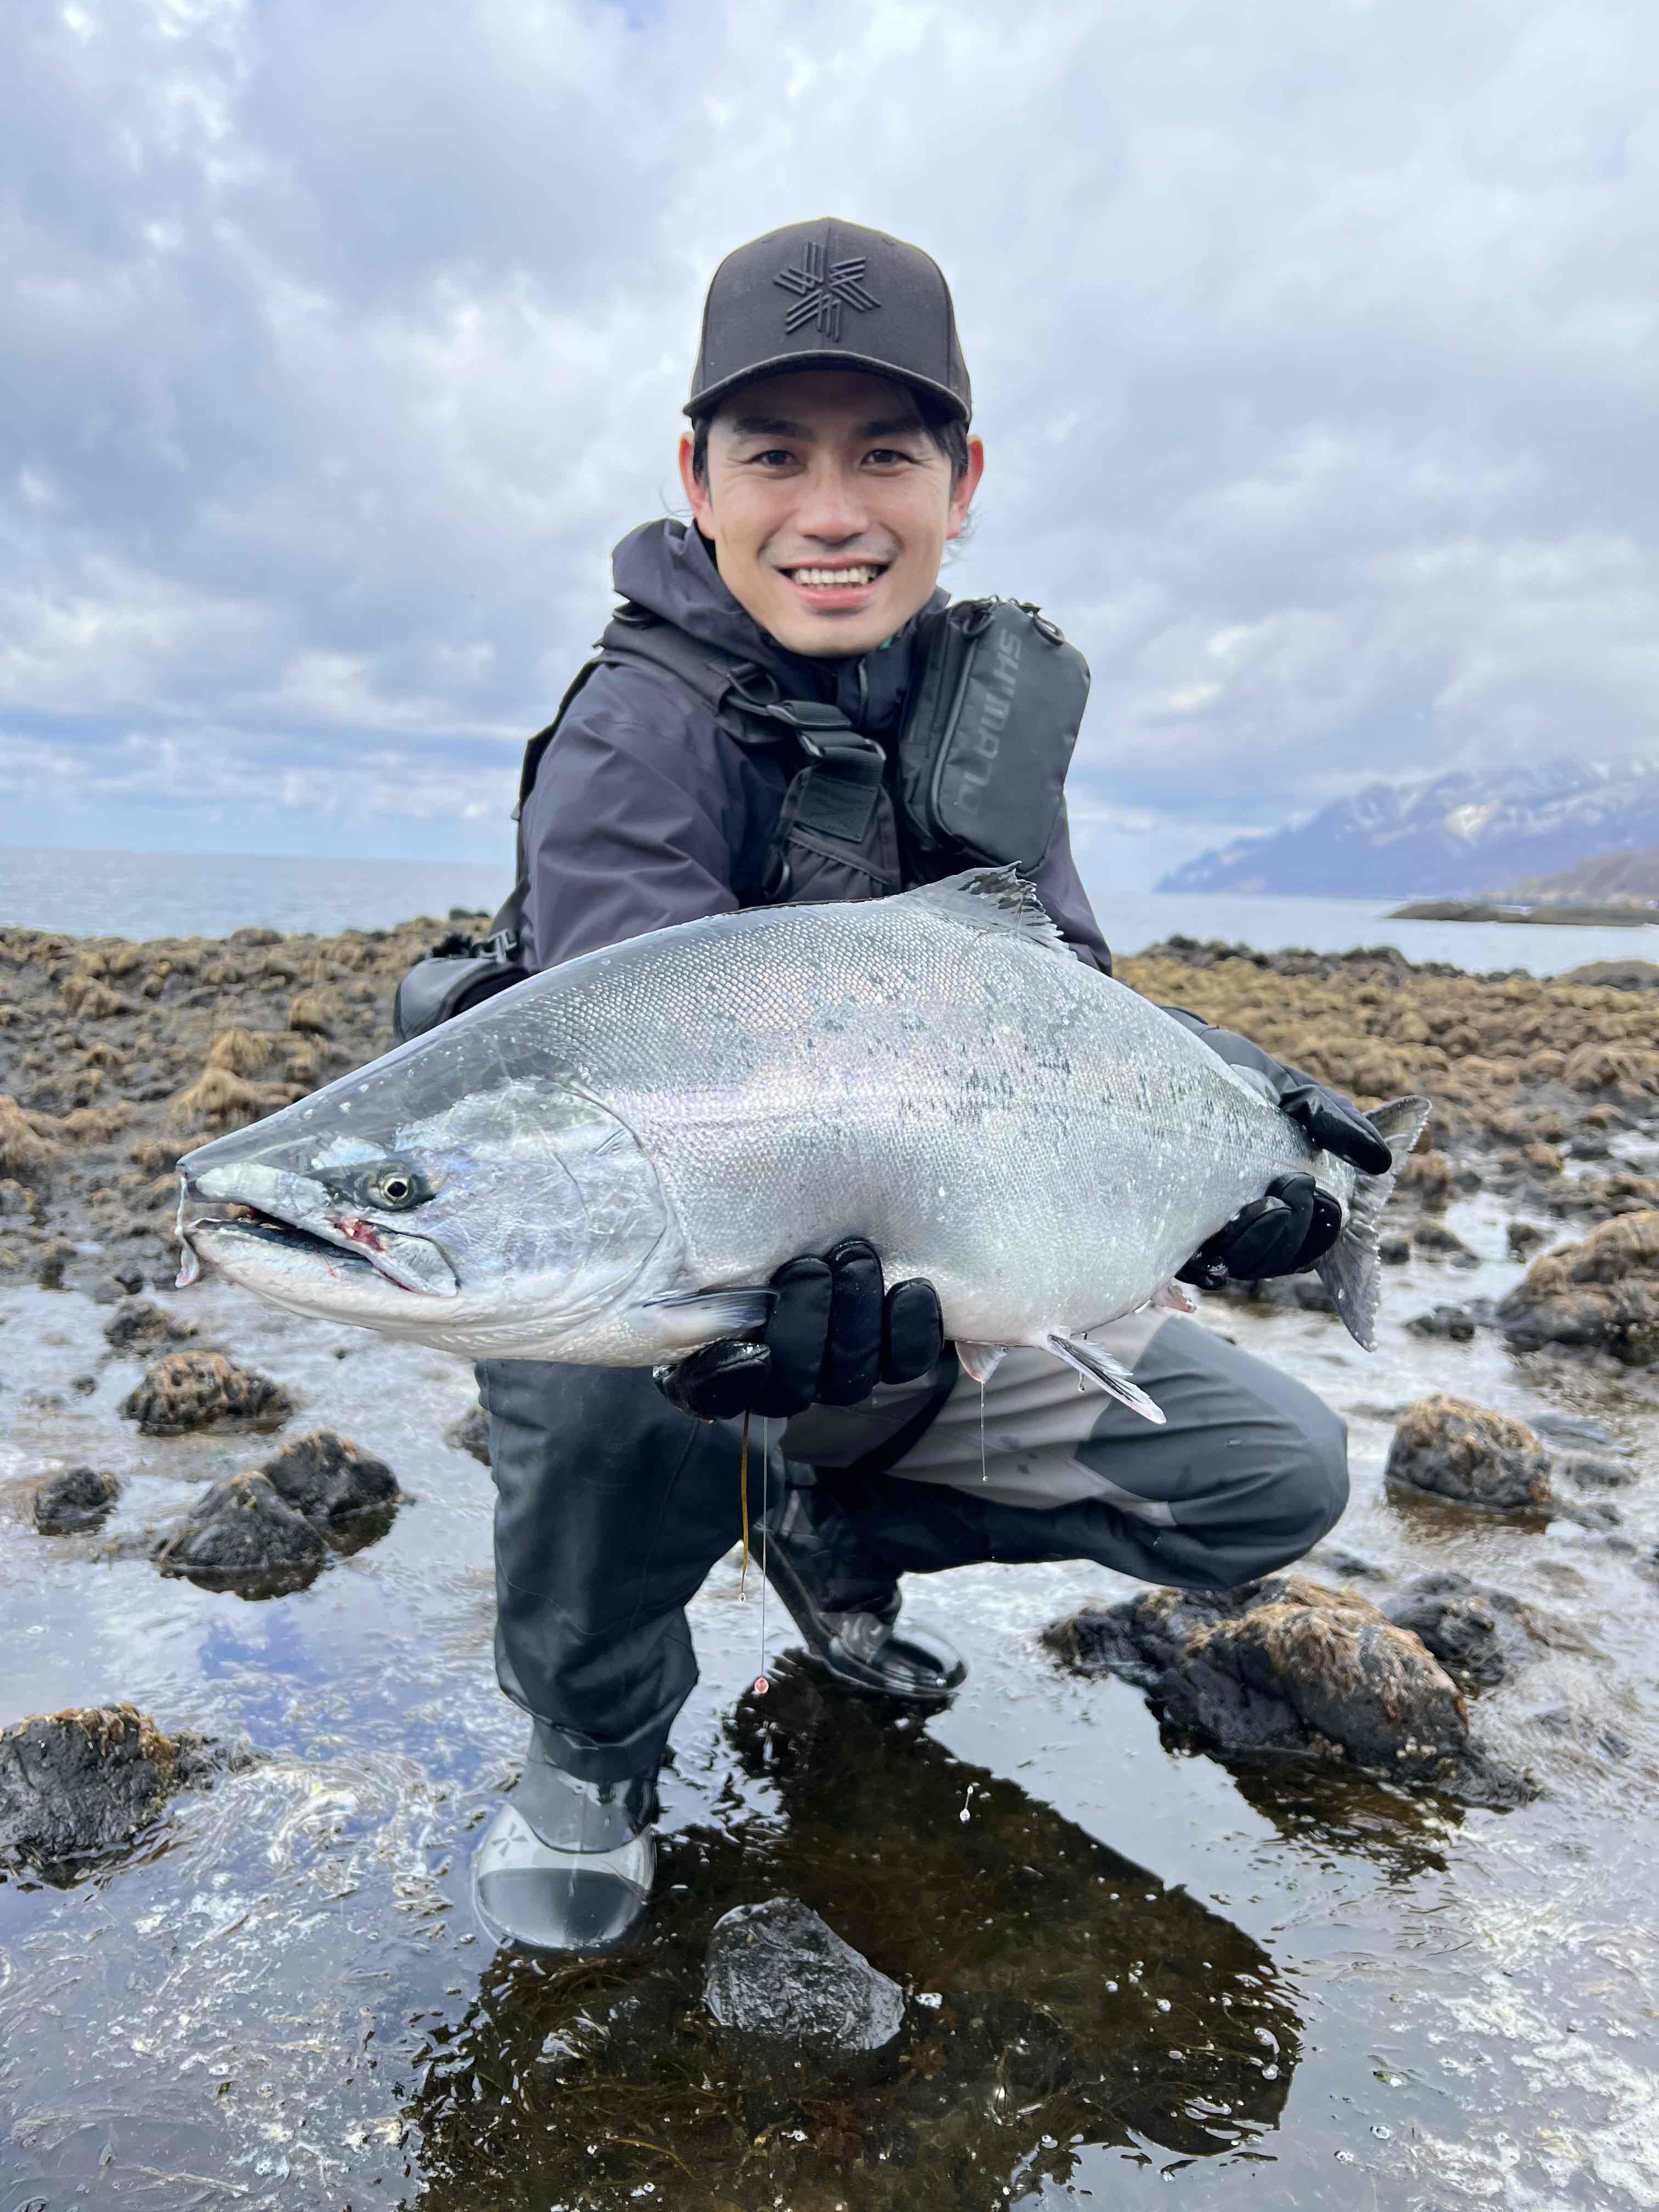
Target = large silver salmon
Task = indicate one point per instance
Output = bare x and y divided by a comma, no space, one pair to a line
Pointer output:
605,1164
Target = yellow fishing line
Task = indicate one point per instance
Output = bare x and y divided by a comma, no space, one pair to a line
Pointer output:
742,1491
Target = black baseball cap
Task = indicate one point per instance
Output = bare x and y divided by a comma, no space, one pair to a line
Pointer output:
829,295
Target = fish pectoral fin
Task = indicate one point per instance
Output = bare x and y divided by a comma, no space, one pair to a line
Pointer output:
1100,1367
737,1310
979,1360
1171,1297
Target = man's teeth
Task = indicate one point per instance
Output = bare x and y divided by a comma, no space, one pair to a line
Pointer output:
828,578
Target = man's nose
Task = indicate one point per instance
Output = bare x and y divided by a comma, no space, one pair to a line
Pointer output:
835,508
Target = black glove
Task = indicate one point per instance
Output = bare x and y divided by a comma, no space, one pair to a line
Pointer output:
1296,1222
834,1332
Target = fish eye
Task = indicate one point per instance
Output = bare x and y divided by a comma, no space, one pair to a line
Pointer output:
395,1186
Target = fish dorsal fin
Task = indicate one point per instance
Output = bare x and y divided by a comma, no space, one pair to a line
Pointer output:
993,898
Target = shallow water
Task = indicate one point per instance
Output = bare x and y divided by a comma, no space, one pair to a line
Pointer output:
281,1998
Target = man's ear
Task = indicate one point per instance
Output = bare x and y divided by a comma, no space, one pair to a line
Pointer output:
696,489
962,494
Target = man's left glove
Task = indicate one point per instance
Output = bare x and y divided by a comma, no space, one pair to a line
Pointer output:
1296,1224
835,1331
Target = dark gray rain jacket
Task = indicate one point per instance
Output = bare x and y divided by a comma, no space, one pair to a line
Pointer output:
646,811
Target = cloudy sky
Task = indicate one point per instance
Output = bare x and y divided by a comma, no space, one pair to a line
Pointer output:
1313,343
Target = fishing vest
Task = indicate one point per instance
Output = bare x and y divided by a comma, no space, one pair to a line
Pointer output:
974,776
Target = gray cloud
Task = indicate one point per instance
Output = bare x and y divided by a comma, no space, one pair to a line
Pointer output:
1313,348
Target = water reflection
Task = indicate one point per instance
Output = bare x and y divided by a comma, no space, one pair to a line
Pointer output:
1059,1997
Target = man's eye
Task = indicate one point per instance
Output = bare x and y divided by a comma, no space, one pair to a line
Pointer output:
884,456
772,457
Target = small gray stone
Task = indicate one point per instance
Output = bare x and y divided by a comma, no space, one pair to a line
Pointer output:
470,1434
241,1529
1455,1322
777,1970
330,1480
80,1498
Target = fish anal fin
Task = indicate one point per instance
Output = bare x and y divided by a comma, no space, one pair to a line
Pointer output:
979,1360
1100,1367
1171,1297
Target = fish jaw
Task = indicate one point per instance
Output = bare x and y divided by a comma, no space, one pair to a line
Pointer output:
242,1217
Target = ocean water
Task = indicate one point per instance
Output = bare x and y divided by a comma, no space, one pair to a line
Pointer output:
108,894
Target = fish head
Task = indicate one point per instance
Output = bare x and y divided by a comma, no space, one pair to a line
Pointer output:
464,1189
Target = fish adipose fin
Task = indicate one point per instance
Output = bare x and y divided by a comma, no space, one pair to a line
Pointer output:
993,899
1100,1367
1349,1269
979,1360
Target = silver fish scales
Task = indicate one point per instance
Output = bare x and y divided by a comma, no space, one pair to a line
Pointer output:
609,1160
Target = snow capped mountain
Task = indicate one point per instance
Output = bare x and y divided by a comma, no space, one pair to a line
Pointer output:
1472,830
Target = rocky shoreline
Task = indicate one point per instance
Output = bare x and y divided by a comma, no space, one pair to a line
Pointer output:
1449,1656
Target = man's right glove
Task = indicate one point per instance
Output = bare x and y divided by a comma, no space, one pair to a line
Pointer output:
834,1332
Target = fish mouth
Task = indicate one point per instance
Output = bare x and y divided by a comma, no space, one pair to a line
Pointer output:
412,1264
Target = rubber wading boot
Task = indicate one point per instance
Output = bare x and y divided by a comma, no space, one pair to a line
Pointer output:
850,1627
566,1865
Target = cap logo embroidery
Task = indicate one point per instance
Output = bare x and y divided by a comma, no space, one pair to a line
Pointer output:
822,288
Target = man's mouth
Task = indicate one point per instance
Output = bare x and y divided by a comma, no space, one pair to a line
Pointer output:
835,582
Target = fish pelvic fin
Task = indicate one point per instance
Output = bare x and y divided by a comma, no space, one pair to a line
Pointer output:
1099,1366
1349,1270
698,1317
993,899
981,1361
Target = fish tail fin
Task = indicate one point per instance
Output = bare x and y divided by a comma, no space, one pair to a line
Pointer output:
1349,1269
1100,1367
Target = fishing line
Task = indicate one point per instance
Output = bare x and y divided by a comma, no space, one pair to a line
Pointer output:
742,1492
982,1475
761,1685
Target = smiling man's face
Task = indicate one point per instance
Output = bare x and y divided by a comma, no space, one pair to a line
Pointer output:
828,505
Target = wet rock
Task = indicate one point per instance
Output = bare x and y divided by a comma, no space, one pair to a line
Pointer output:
1598,1474
76,1784
776,1970
1456,1322
329,1481
1440,1243
470,1434
1524,1236
1471,1454
241,1531
141,1326
1574,1429
1478,1635
49,1267
204,1390
80,1498
1286,1666
1395,1249
1602,1294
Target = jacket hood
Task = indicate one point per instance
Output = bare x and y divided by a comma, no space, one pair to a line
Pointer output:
666,568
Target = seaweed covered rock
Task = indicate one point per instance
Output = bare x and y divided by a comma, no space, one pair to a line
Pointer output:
76,1784
1600,1295
139,1325
240,1531
204,1390
78,1499
777,1970
1286,1666
329,1481
1472,1456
